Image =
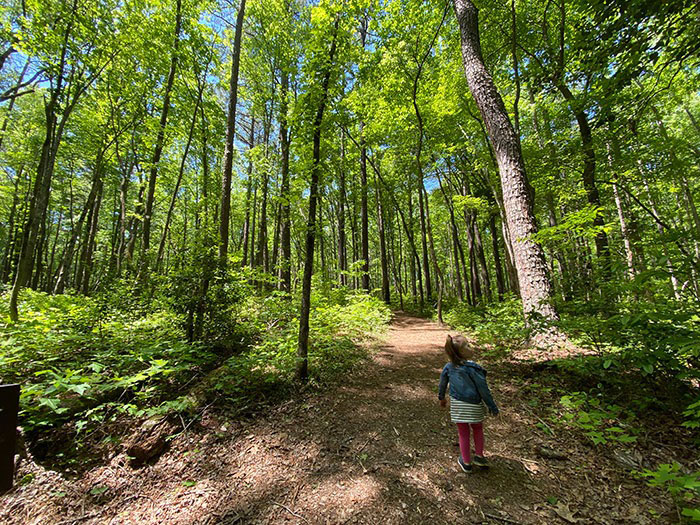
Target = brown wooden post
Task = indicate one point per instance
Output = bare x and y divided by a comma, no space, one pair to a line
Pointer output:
9,406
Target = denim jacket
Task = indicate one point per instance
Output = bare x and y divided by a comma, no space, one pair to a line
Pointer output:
467,383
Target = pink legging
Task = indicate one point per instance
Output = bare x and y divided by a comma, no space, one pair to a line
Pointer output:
463,431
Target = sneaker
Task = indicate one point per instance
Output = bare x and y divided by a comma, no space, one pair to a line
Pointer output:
481,461
466,467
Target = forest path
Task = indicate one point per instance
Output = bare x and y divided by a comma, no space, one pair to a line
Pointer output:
375,449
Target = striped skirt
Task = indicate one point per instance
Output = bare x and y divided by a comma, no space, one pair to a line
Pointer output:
462,412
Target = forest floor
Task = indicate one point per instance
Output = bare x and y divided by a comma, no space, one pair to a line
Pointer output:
374,449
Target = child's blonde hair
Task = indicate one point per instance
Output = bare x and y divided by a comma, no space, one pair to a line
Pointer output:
458,348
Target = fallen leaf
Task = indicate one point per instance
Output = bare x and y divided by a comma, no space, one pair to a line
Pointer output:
563,511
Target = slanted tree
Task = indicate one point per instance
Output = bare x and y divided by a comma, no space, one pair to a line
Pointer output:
535,286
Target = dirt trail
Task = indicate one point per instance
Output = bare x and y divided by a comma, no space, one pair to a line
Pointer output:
375,449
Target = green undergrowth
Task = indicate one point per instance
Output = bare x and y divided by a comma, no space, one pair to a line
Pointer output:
499,325
85,363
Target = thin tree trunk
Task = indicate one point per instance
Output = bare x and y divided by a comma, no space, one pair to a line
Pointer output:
386,291
160,140
178,182
500,284
90,240
286,233
481,260
67,259
230,136
431,243
11,234
424,242
652,203
302,369
589,182
342,197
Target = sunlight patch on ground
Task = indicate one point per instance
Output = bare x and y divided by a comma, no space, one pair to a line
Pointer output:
344,497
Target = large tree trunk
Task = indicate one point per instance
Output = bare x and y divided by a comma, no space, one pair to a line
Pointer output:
230,136
37,206
302,369
160,140
535,286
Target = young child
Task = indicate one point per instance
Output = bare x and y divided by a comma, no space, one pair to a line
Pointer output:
468,393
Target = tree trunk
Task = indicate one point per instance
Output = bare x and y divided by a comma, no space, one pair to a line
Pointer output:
83,285
286,233
436,268
261,260
302,369
455,239
535,286
230,136
481,260
669,265
11,234
160,139
178,182
589,183
500,284
386,291
342,197
364,213
424,242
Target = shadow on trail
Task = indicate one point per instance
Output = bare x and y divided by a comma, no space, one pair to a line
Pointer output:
384,451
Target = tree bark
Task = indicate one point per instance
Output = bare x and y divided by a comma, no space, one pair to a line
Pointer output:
178,182
535,286
386,290
230,136
342,197
160,140
286,231
302,369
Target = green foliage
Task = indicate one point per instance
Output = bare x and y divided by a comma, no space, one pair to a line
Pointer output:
340,323
660,339
692,415
83,361
500,324
75,356
602,423
683,487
